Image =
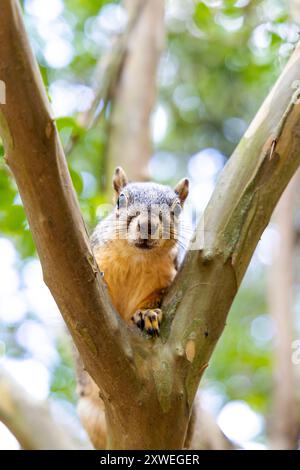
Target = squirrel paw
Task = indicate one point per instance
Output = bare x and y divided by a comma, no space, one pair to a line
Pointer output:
148,320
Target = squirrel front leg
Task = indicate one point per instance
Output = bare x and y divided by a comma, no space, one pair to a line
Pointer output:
148,315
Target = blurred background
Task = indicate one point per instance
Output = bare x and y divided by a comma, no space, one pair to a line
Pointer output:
166,94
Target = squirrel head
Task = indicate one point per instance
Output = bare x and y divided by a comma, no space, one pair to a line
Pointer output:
148,214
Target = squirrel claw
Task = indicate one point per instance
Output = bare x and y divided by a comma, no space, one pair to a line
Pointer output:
148,320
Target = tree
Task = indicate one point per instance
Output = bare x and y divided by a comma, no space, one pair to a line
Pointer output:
130,140
162,376
285,420
30,421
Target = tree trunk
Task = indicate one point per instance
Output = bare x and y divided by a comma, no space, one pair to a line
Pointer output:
284,423
207,434
132,106
148,387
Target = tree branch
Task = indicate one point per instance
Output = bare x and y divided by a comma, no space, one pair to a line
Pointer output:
35,157
238,212
30,421
111,67
108,71
207,434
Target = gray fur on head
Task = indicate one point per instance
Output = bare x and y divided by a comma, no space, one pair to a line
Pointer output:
149,194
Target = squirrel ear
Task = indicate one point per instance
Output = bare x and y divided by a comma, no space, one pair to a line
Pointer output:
182,189
119,179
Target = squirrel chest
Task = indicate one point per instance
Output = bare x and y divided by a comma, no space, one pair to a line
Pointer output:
134,279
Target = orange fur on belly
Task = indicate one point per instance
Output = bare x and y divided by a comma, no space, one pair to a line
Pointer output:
134,278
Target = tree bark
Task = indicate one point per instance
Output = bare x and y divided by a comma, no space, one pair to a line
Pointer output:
238,212
108,71
130,131
294,8
31,422
148,387
284,419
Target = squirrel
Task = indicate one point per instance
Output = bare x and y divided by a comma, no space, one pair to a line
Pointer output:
136,249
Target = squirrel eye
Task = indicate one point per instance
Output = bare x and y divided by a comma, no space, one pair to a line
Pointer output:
121,203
